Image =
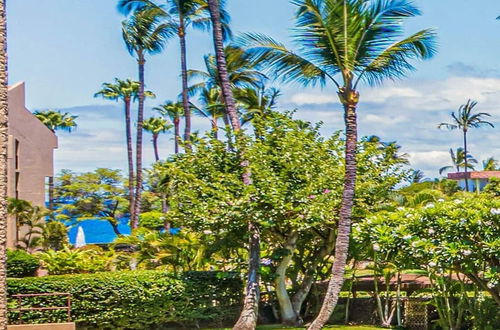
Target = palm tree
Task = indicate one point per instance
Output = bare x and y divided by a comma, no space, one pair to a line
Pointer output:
143,34
174,111
249,313
256,102
464,120
126,91
490,164
4,136
213,109
345,42
156,126
458,161
181,15
56,120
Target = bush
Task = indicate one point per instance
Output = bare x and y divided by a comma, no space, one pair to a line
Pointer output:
135,300
21,264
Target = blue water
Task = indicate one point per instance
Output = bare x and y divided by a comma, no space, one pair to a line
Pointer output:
97,231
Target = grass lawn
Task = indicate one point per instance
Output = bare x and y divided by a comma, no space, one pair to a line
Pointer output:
341,327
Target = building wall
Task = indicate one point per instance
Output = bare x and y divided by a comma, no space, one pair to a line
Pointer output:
30,155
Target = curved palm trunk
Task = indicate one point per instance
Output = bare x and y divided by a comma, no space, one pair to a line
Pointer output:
134,221
350,100
185,96
130,156
155,147
466,163
249,314
176,134
4,122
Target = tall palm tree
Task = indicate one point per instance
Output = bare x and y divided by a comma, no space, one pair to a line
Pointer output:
464,120
143,33
458,161
174,111
181,15
490,164
126,91
256,102
56,120
345,42
4,135
156,126
249,313
213,108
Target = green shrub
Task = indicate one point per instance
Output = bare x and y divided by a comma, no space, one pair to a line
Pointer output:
21,264
135,300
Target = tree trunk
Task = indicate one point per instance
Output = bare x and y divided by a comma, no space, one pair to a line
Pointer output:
287,312
4,134
215,128
466,162
176,134
350,100
130,157
138,160
185,96
51,194
250,312
114,225
155,147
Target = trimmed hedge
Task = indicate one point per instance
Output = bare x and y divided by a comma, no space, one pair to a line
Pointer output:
134,300
21,264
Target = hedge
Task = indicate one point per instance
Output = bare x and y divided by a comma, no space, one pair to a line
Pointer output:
134,300
21,264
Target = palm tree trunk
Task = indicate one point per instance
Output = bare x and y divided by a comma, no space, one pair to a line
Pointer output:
51,193
215,128
350,100
176,134
4,134
185,96
130,157
249,314
155,147
138,160
466,163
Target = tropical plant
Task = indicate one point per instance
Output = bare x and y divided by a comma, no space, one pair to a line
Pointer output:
4,140
256,102
29,222
491,164
97,195
180,15
357,41
174,111
75,261
212,108
56,120
417,176
128,92
156,126
464,120
143,33
54,235
458,161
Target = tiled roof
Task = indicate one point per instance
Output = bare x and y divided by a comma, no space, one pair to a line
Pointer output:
474,175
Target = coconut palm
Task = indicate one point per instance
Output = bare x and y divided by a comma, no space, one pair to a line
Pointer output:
56,120
490,164
143,33
174,111
4,136
126,91
464,120
213,108
181,15
458,161
256,102
156,126
345,42
249,314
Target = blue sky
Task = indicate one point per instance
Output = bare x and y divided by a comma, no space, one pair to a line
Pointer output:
64,50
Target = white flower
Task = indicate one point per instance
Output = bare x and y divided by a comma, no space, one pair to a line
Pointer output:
467,252
491,285
414,244
431,231
457,201
207,232
428,206
407,237
376,247
440,200
266,261
409,215
495,211
400,208
432,264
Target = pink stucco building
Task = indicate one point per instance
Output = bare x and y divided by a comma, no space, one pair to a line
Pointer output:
30,155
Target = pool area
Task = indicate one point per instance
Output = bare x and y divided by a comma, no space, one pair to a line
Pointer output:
97,231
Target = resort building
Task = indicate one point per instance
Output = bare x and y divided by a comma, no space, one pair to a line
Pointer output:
30,156
477,179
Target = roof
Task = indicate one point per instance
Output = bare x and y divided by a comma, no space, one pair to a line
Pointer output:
474,175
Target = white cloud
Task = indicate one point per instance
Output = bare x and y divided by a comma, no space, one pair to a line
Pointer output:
313,98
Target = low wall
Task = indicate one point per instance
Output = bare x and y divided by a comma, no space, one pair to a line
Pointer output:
45,326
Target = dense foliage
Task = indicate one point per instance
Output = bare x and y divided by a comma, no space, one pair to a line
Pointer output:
21,264
136,300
